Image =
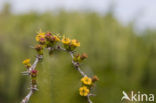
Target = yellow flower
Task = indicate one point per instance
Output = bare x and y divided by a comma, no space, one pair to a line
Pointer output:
40,35
86,80
56,38
26,61
75,43
84,91
65,40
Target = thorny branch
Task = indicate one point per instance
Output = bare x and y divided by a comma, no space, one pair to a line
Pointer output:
77,67
32,88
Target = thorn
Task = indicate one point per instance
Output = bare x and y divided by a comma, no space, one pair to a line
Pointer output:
36,89
32,47
25,73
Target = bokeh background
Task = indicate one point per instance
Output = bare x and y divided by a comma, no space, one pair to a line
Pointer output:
119,37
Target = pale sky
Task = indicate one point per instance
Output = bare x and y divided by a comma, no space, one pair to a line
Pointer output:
143,11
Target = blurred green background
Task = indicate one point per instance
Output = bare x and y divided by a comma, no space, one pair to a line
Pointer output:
120,57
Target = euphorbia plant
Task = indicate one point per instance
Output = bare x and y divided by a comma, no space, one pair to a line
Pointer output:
53,42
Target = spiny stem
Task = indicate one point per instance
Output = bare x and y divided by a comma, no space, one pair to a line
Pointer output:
32,88
79,69
89,100
76,65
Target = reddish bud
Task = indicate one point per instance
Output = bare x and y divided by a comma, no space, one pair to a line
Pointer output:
48,35
42,40
52,39
95,78
38,47
84,56
33,73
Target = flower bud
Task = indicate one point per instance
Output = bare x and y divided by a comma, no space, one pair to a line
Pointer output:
48,35
28,66
95,78
79,58
83,56
76,58
42,41
26,62
52,39
33,73
38,47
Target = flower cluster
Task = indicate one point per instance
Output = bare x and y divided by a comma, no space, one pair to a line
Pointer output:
70,45
49,39
27,64
45,40
87,83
